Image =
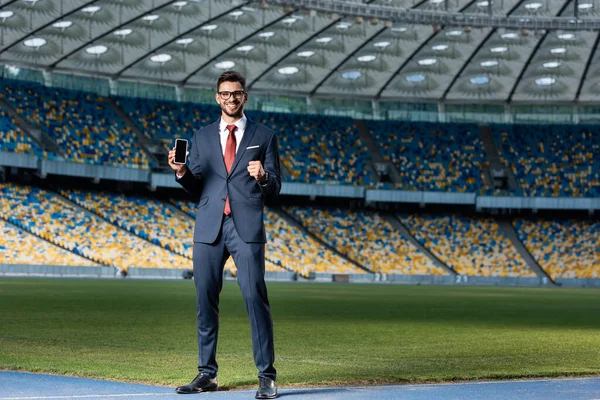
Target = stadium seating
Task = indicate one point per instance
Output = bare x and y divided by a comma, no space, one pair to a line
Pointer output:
564,249
20,247
430,156
470,246
147,218
366,238
61,223
552,160
82,124
292,248
320,149
166,120
14,140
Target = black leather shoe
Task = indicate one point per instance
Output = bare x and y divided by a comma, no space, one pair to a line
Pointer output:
201,383
267,389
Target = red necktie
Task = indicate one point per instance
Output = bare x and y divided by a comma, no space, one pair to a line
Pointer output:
229,157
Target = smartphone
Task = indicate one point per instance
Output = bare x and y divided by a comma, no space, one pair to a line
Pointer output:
180,151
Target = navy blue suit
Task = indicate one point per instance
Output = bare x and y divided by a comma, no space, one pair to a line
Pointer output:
242,235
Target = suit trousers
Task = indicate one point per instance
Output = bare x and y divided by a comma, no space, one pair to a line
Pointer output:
249,258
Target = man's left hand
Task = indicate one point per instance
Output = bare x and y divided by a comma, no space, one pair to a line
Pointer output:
255,169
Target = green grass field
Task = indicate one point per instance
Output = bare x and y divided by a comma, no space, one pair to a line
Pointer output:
326,334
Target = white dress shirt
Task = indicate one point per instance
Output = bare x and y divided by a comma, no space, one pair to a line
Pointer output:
239,132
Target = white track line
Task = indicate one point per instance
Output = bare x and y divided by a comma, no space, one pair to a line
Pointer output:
85,396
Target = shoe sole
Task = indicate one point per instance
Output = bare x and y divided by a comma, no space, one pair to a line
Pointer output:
196,391
266,397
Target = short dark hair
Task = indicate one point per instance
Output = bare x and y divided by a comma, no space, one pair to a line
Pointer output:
231,76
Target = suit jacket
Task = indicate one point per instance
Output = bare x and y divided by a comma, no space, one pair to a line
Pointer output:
210,181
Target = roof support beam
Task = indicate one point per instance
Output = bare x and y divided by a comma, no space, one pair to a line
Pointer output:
348,57
236,44
413,16
127,66
112,29
60,17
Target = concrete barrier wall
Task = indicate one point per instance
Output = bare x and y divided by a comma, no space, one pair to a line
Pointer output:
56,270
287,276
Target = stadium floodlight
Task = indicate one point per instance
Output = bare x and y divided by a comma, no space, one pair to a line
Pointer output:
585,6
96,50
440,47
382,44
31,2
367,58
266,35
533,6
6,14
566,36
225,65
288,70
455,33
150,18
484,3
324,40
184,41
91,10
342,26
306,54
480,80
489,63
510,36
558,50
123,32
351,75
35,43
427,62
499,49
436,2
236,14
161,58
545,81
180,4
246,48
209,28
289,21
415,78
62,25
551,64
399,29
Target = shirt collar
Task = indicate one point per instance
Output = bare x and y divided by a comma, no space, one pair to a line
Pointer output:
240,123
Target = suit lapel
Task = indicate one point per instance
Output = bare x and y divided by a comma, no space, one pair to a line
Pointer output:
214,139
248,134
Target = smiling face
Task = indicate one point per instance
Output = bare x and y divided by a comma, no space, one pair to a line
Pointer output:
232,108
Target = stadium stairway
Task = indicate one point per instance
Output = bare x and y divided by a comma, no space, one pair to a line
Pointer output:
497,171
399,226
42,139
154,151
379,166
508,229
299,225
189,215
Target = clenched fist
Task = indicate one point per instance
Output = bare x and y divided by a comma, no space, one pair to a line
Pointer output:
255,169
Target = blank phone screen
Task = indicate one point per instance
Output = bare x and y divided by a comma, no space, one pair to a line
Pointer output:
180,151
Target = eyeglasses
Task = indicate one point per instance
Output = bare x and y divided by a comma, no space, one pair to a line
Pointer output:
238,94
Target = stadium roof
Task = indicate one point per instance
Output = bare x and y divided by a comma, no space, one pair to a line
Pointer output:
282,47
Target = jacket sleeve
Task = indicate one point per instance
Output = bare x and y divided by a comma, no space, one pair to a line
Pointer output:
192,180
271,165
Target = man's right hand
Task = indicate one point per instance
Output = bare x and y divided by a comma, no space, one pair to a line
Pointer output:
180,169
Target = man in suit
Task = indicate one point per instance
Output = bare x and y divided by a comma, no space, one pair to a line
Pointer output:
233,167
